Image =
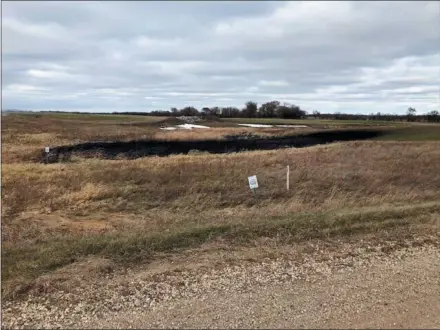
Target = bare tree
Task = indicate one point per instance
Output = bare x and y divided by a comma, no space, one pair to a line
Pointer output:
410,114
251,109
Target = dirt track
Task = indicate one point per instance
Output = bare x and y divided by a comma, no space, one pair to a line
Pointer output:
399,289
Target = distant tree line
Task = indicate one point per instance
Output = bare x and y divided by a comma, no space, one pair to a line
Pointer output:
410,116
273,109
276,109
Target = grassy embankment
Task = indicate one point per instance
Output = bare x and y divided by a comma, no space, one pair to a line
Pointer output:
131,210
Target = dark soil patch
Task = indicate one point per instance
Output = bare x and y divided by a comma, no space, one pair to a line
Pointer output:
144,148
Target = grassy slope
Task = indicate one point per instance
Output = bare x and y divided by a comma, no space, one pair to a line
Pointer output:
30,261
129,211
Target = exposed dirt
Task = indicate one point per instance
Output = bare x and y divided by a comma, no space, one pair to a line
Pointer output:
143,148
312,285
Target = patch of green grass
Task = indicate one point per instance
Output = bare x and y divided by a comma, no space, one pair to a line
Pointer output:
33,260
311,122
414,133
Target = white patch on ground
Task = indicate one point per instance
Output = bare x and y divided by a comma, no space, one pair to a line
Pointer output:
191,126
265,125
292,126
255,125
184,126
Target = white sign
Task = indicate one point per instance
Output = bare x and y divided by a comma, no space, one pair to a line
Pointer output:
46,149
253,183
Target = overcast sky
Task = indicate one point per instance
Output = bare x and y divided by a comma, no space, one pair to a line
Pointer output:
357,57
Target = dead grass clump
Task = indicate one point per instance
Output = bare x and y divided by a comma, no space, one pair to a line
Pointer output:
88,192
66,279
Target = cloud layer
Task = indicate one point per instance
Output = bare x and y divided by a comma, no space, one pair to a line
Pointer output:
357,57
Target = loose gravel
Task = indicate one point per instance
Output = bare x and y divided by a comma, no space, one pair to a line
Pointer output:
249,294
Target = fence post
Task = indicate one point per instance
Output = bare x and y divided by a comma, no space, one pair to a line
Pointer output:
288,178
46,155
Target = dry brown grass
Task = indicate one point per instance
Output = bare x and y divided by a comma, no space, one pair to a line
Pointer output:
55,214
24,136
152,190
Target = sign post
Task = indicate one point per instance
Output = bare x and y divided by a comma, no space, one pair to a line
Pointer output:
46,151
253,184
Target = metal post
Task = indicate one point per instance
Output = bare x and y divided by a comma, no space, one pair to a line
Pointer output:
288,177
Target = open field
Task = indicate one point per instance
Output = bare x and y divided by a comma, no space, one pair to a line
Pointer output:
414,133
88,117
23,135
319,123
134,212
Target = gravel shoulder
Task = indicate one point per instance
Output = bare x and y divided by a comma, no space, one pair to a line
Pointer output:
356,288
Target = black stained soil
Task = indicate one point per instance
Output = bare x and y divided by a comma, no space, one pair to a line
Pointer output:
145,148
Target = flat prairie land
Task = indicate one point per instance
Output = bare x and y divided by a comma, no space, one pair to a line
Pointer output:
315,122
125,214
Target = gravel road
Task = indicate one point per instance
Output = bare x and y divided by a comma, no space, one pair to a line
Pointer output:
376,289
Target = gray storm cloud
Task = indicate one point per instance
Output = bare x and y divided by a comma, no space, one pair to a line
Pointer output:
358,57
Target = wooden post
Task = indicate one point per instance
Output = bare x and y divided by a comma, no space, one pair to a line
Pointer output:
46,156
288,178
254,192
